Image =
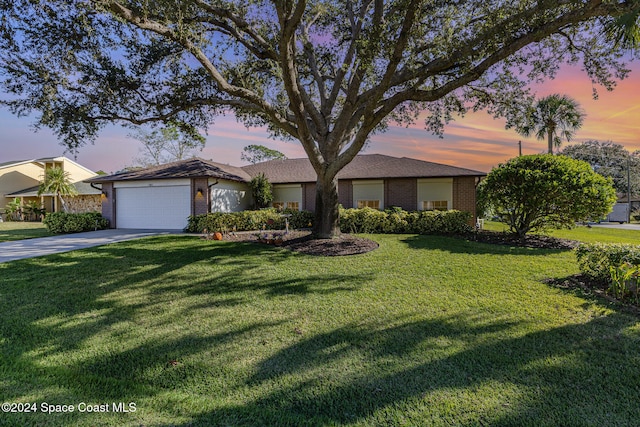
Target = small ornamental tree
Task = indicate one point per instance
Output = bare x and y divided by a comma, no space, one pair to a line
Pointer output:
532,193
261,191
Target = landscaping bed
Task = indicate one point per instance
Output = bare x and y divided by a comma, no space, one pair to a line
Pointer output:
538,241
349,244
302,241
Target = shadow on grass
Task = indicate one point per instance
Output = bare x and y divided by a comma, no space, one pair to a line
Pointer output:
576,375
459,245
442,370
54,305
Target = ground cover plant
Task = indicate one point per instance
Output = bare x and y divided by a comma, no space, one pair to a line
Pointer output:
22,230
424,330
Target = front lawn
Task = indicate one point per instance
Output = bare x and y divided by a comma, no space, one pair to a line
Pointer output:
423,331
583,233
22,230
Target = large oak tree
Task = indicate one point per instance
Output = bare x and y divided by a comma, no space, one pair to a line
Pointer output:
328,73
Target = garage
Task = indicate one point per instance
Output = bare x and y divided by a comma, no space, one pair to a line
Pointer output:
162,205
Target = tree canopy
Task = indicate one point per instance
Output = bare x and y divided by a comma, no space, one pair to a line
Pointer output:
167,144
57,181
328,73
610,160
259,153
554,118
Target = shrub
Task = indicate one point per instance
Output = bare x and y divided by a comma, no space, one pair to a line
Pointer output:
624,282
269,219
261,191
62,222
446,222
530,193
367,220
597,259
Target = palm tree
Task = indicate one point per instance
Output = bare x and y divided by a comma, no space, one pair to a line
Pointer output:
625,30
554,117
56,181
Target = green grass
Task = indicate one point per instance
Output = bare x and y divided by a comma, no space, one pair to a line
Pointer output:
583,233
422,331
22,230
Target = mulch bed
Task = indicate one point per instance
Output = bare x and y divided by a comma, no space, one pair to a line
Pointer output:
302,241
348,244
529,241
590,287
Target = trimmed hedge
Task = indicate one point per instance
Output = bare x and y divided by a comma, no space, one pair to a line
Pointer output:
270,219
364,220
398,221
62,222
596,259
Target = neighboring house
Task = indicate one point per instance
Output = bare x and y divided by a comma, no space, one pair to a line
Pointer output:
22,178
164,196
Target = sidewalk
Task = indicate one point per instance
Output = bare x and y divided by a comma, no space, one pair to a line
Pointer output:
29,248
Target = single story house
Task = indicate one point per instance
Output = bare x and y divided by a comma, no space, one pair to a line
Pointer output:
164,196
22,178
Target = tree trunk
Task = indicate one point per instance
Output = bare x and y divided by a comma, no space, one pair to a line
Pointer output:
63,204
326,225
550,141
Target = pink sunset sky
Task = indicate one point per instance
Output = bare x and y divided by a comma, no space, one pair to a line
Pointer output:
475,141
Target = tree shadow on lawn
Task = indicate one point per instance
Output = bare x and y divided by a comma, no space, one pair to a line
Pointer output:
464,246
58,304
574,375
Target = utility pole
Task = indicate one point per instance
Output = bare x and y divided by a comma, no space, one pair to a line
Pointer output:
629,188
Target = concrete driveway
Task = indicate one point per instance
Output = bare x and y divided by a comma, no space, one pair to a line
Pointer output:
624,226
29,248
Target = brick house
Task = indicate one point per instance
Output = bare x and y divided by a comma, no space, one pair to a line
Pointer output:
164,196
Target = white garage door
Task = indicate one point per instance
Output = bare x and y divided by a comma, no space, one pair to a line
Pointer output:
157,207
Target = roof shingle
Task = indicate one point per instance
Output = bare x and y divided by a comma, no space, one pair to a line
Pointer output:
364,166
191,168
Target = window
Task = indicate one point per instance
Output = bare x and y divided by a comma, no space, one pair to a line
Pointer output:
286,205
435,205
374,204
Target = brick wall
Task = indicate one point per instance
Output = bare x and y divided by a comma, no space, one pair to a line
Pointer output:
200,203
345,193
401,192
464,195
308,197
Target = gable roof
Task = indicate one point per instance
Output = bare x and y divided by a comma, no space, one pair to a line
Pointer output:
40,161
364,166
190,168
13,163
